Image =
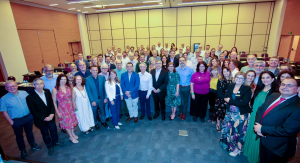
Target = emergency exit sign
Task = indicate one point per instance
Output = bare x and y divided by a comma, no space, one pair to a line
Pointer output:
74,40
290,33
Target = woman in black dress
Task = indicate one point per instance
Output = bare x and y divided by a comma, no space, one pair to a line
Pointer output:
164,62
220,107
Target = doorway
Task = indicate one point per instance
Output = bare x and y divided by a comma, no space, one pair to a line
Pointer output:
288,46
75,49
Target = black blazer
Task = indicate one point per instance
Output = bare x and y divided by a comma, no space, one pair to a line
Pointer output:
162,80
280,126
112,66
38,109
242,98
176,61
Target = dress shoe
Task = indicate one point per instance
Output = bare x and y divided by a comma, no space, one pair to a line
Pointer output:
36,147
194,118
97,127
179,116
128,119
24,154
142,117
99,119
183,117
61,143
150,118
136,119
105,125
121,115
202,120
51,150
127,114
107,119
155,116
64,130
163,117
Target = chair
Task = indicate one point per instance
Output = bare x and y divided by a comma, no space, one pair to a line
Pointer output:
11,78
26,78
281,58
88,57
267,64
67,65
74,60
267,58
282,63
255,55
42,70
246,63
60,65
265,55
68,69
243,55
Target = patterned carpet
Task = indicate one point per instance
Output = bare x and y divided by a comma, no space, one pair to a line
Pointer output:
144,141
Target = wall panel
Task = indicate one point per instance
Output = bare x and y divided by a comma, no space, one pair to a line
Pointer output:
95,47
106,44
230,25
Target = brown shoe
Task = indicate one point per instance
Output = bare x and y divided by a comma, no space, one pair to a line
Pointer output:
128,119
180,115
136,119
183,117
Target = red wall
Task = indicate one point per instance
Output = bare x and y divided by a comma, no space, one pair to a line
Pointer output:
65,25
291,22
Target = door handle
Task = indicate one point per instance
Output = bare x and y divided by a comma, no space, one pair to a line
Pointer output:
42,61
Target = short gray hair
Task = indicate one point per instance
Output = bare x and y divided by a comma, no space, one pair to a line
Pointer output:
158,61
142,64
260,61
37,79
48,65
104,64
10,81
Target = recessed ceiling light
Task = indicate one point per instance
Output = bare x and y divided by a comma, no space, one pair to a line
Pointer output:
151,1
85,12
53,5
114,4
78,10
71,9
160,3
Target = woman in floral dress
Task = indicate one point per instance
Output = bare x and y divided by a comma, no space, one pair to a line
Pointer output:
62,94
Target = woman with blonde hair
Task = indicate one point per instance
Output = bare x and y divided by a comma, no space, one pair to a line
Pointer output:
214,77
151,64
115,96
214,62
95,62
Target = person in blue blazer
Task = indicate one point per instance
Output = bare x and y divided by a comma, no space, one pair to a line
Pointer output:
95,88
130,82
80,58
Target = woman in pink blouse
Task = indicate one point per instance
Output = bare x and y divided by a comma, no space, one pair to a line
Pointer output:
200,91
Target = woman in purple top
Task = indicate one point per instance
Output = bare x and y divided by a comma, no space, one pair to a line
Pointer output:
200,91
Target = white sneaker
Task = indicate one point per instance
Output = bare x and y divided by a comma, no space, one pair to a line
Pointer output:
117,127
119,123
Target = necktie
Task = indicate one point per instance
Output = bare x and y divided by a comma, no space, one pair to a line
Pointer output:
272,107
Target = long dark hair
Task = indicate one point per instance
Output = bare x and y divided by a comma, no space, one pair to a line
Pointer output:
200,63
57,85
260,86
116,79
284,72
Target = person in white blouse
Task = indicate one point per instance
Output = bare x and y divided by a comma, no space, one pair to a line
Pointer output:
146,86
187,61
125,59
158,48
183,48
233,64
167,47
115,95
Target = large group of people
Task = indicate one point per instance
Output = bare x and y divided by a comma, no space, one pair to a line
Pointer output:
255,108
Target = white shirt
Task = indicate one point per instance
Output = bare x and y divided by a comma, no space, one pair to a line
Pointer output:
106,76
124,62
202,53
168,49
134,62
49,84
189,63
234,72
158,49
194,62
256,79
42,96
157,72
146,82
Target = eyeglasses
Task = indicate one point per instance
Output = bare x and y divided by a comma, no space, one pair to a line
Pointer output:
49,70
239,78
288,85
11,87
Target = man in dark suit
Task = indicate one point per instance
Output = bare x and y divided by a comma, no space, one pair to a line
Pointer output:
142,60
95,88
41,107
80,58
172,58
110,66
160,81
277,123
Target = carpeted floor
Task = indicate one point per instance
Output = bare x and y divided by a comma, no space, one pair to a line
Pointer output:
156,141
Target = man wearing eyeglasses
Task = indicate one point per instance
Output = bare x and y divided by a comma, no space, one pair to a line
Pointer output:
49,78
273,63
277,123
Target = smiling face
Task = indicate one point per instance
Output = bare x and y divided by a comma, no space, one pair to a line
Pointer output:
259,67
251,59
226,73
288,87
239,79
78,80
171,68
266,79
285,75
11,87
273,62
250,77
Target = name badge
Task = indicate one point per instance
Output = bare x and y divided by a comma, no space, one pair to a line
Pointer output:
237,95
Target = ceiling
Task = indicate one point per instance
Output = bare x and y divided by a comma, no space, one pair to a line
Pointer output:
98,6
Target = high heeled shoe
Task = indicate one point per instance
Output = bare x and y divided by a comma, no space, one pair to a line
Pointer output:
235,154
74,141
75,136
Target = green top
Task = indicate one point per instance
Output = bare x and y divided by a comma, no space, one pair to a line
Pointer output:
251,147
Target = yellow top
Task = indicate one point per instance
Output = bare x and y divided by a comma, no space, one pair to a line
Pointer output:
213,83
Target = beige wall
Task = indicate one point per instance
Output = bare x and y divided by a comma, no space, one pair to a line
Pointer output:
83,35
12,57
245,26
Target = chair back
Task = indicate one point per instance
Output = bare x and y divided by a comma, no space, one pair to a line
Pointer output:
265,55
60,65
11,78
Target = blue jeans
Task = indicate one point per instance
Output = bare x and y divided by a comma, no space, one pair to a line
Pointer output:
49,133
143,102
115,110
25,122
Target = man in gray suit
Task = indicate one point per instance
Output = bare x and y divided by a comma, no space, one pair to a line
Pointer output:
95,88
80,58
